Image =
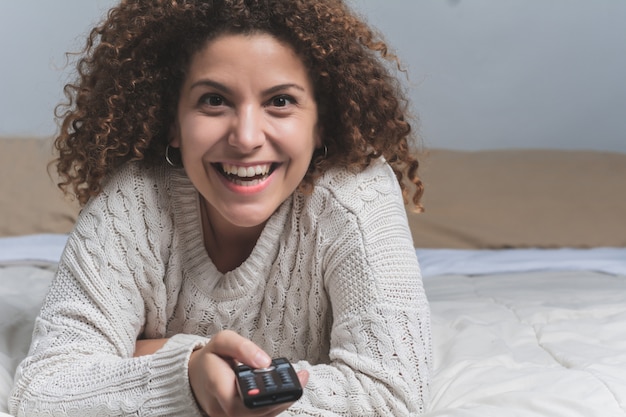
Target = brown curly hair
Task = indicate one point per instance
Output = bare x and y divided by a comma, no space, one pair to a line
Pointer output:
123,104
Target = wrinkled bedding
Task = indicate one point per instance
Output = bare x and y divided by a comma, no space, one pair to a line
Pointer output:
22,289
529,344
516,333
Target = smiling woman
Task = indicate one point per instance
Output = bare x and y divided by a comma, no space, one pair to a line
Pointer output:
279,230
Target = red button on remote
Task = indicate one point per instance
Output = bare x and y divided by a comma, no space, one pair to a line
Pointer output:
254,391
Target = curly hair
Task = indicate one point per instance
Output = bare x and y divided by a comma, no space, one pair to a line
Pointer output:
123,103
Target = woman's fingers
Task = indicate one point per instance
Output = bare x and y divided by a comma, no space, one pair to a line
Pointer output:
213,379
229,344
303,376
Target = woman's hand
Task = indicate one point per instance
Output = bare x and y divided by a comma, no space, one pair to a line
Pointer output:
212,378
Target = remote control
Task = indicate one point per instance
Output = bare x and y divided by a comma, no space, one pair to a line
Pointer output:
275,384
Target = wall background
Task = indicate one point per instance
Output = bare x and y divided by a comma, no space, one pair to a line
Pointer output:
484,74
34,37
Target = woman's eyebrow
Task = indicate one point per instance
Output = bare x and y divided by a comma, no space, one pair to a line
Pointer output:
205,82
283,87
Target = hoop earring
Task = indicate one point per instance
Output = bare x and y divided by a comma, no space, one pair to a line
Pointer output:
325,152
167,156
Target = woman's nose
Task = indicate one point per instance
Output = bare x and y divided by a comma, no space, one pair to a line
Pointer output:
247,133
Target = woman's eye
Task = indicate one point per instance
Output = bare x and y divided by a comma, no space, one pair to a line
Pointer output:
213,100
282,101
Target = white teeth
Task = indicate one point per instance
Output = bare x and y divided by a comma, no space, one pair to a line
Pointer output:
246,172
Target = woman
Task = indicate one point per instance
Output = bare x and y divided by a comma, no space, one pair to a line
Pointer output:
242,166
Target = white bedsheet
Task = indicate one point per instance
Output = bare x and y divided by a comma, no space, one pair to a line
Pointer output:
516,332
44,248
436,262
22,289
529,344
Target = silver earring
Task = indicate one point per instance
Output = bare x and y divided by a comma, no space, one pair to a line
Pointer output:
167,156
325,151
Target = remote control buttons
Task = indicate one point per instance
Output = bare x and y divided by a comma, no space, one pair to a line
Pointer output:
275,384
285,377
268,381
248,381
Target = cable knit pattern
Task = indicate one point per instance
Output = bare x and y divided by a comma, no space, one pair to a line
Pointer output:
333,284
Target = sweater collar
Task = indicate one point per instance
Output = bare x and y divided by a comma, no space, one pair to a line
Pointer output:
196,261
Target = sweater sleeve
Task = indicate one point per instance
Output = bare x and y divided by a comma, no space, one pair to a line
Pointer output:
380,347
109,279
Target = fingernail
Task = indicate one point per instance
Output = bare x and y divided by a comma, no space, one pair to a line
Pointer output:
262,360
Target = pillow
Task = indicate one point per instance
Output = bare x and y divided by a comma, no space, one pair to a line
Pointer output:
521,198
30,202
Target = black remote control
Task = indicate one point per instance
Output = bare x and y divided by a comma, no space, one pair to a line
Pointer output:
275,384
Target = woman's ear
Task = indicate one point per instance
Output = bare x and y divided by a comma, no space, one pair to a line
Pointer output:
174,141
317,136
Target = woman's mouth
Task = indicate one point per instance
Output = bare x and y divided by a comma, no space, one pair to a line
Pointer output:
245,175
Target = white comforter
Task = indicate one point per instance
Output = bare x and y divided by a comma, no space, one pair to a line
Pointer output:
516,333
529,344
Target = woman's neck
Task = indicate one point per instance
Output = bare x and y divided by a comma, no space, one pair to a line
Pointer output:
227,245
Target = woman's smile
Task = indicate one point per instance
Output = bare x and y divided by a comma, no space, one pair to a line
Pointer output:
252,178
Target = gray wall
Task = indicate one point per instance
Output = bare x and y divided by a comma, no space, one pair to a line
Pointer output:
512,73
34,37
484,74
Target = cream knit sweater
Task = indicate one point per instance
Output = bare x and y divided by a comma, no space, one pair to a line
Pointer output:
333,284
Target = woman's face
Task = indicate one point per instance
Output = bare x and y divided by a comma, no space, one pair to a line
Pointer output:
246,126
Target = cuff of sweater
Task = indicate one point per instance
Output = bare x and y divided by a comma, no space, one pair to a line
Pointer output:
169,380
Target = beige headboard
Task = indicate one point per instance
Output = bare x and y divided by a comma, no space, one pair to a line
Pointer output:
522,198
30,202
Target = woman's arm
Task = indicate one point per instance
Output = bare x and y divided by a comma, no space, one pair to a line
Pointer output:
148,346
81,358
81,363
380,342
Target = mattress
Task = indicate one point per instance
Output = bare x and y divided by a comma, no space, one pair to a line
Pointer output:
520,332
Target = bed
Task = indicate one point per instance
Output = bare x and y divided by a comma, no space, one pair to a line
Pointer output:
523,254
